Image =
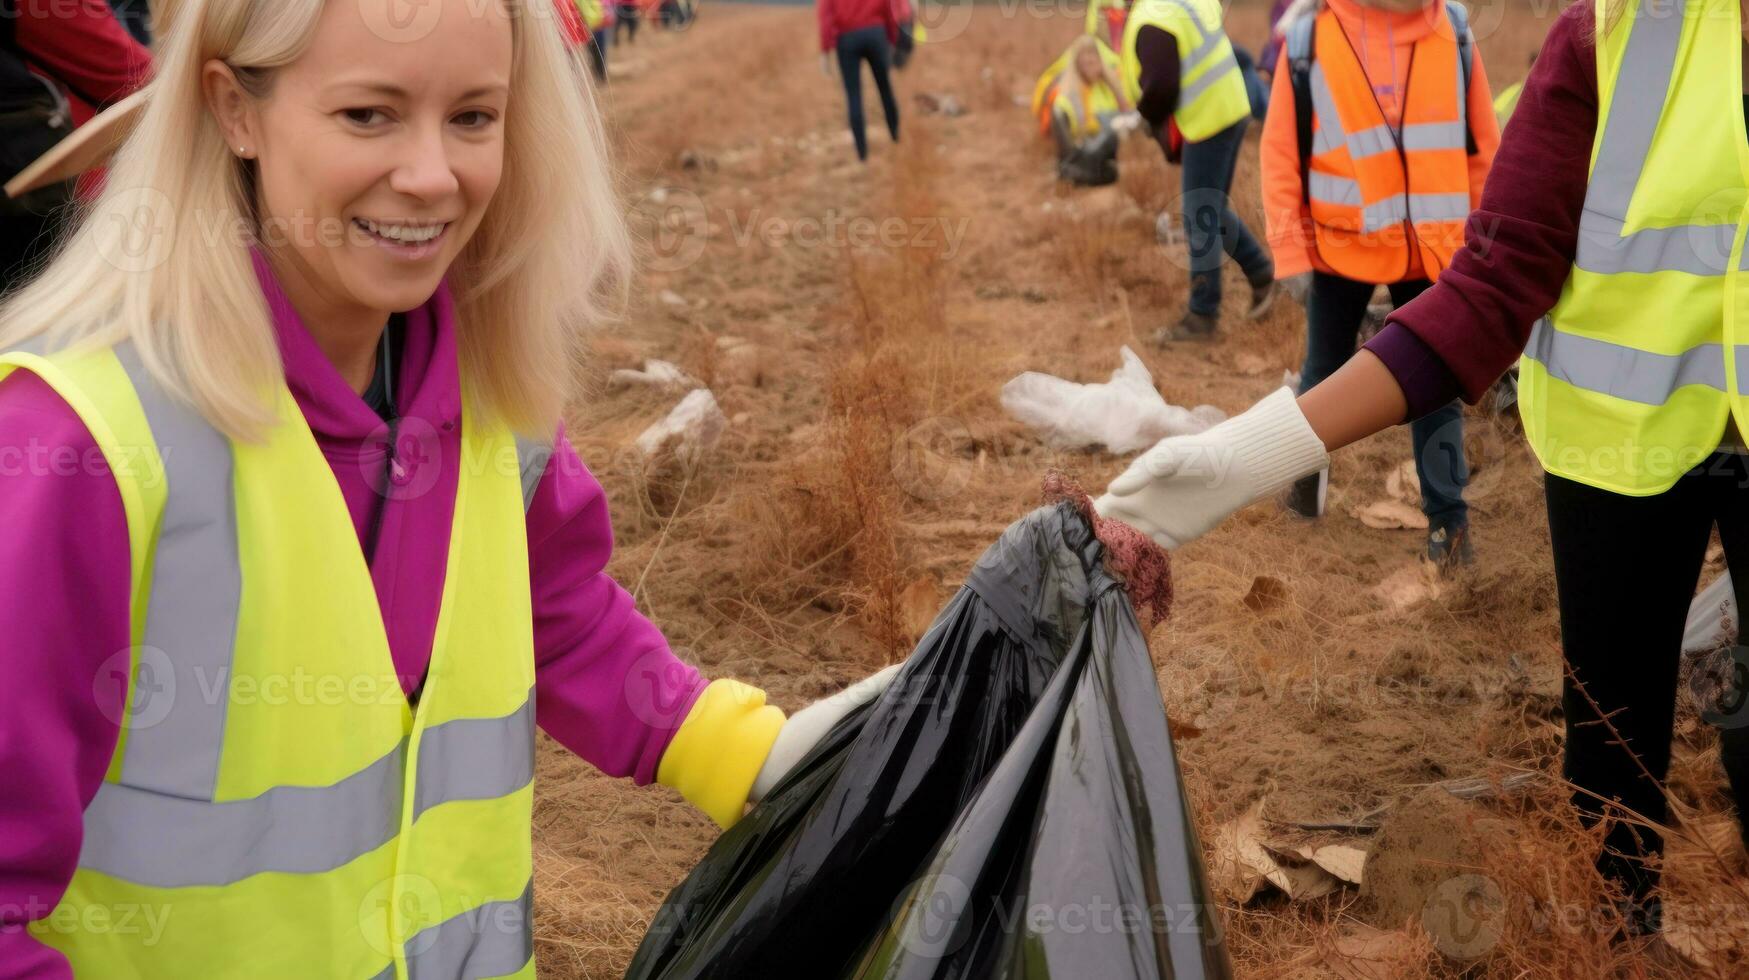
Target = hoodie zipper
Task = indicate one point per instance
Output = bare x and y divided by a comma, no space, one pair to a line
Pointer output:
389,458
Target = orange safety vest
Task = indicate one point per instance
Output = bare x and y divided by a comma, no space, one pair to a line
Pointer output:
1381,198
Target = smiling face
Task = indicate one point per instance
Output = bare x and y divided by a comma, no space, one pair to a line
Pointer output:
377,152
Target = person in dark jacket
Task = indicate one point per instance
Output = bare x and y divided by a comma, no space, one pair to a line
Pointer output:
59,66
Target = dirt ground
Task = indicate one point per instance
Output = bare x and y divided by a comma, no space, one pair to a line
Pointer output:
856,323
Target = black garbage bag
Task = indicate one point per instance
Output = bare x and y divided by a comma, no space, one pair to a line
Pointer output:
1010,807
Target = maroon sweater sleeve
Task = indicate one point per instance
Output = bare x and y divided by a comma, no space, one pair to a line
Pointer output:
1519,245
1157,55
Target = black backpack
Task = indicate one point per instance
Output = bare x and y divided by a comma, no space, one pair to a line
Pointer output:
34,116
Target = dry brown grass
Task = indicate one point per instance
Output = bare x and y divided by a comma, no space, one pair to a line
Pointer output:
871,464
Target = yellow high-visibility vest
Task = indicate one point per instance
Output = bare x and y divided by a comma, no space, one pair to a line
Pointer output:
273,798
1096,16
1086,116
1211,89
1630,379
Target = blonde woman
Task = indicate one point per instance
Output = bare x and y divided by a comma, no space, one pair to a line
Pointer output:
1605,260
296,552
1085,115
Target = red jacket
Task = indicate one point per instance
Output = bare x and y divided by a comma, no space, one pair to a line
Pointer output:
571,24
843,16
84,49
87,53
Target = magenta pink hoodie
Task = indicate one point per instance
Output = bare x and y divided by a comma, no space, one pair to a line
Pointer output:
606,684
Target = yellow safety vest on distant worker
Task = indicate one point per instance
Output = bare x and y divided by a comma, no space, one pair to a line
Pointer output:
271,791
1211,89
1098,16
1506,103
1630,380
1086,116
594,14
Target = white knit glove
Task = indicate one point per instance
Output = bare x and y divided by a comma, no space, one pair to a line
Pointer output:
807,726
1180,489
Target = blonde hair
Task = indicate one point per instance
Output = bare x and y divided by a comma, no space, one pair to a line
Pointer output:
1071,86
141,261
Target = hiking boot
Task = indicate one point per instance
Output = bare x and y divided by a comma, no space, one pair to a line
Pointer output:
1306,496
1449,547
1194,326
1262,298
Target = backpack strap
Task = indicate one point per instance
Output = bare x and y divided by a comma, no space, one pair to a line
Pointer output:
1460,28
1301,41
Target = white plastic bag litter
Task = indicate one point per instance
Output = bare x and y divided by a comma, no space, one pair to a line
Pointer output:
1123,415
1712,618
656,374
690,430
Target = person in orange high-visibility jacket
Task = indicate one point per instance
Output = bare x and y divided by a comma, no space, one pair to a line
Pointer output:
1380,136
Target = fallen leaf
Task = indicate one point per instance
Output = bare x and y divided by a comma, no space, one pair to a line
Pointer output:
1404,484
1410,585
1345,861
1267,592
1248,363
1181,729
1365,953
1237,851
1243,863
918,605
1390,515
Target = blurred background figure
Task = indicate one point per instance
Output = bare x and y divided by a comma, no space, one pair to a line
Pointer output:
1105,20
598,21
859,31
136,17
1087,114
60,65
910,32
1180,69
625,24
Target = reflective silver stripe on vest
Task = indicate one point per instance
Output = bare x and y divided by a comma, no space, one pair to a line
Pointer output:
488,941
1195,89
531,459
1211,38
1626,372
1331,189
1379,139
167,841
1434,136
171,842
1647,72
475,758
1330,133
1419,207
176,717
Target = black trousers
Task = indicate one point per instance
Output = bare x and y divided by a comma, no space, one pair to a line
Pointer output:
1626,570
855,47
